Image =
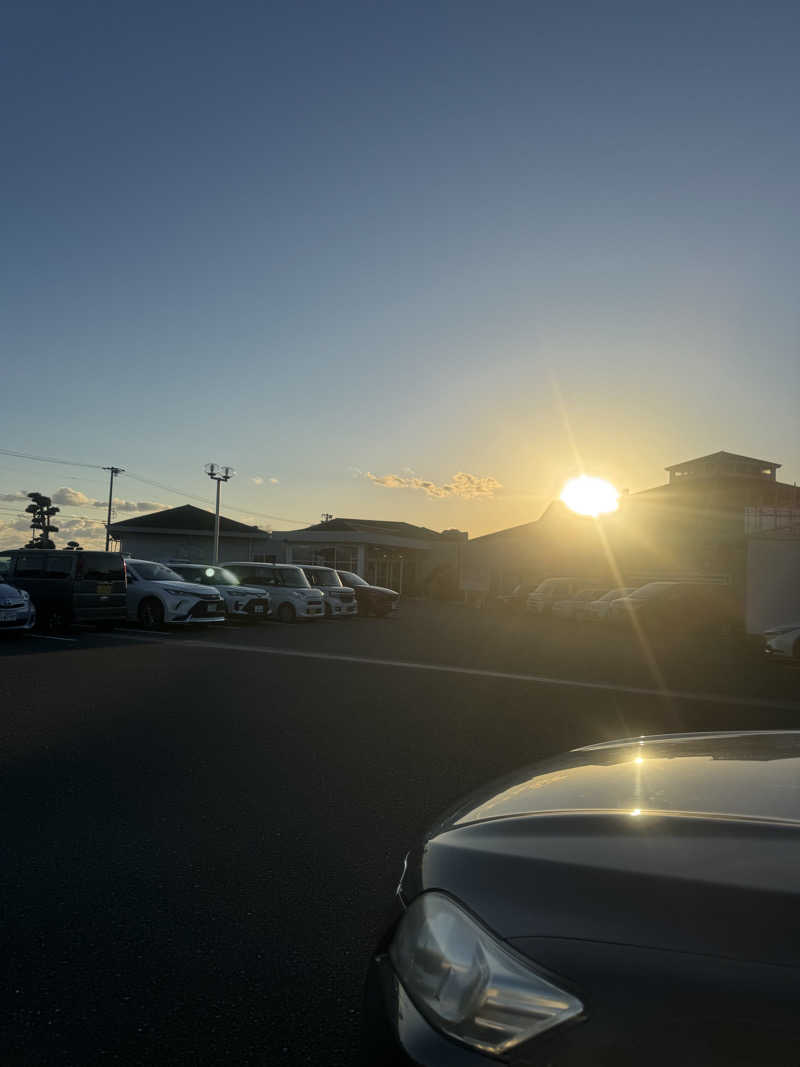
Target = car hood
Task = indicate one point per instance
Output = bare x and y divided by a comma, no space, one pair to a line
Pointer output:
380,589
250,590
685,842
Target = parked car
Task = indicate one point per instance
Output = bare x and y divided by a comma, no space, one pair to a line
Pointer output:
17,610
783,641
157,595
566,609
678,608
291,595
597,610
371,598
630,902
515,601
546,593
247,601
69,587
339,599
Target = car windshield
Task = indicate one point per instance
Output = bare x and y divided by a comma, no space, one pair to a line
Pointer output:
651,590
348,578
154,572
588,594
323,577
615,594
292,577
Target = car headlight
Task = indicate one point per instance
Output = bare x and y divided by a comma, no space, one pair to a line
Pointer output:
468,984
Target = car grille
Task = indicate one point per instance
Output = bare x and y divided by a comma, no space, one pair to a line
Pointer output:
200,610
11,622
347,596
251,606
11,604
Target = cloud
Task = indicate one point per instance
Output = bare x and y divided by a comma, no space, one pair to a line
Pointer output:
118,504
274,481
465,486
19,495
355,472
257,479
71,497
260,479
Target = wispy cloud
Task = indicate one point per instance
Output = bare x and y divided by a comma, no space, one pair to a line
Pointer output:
465,486
262,479
257,479
274,481
14,497
355,472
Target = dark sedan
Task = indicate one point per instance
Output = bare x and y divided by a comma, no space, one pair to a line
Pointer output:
371,598
636,902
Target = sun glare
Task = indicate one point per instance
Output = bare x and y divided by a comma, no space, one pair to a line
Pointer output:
590,496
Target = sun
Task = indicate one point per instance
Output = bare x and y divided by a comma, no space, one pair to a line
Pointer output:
590,496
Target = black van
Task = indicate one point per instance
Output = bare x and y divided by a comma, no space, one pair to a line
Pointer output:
69,587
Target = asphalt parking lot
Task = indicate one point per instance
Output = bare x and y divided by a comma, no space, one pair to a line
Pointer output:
204,829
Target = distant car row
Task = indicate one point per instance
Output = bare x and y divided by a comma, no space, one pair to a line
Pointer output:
105,589
668,606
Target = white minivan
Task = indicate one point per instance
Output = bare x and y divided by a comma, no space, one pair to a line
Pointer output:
290,593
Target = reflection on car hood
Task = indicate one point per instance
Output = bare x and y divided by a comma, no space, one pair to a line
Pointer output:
686,842
8,592
189,587
380,589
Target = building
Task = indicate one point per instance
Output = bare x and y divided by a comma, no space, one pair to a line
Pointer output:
773,578
187,533
693,527
410,559
398,555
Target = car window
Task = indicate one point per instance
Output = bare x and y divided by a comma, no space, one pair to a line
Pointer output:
100,567
30,565
58,565
292,577
156,572
5,567
348,578
322,577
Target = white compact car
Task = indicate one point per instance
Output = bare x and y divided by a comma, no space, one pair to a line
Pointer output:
597,610
158,595
246,601
567,609
17,611
339,599
783,641
541,600
291,595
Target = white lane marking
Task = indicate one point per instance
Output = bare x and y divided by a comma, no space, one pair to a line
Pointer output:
49,637
531,679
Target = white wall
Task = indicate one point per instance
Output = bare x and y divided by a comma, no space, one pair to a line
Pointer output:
773,583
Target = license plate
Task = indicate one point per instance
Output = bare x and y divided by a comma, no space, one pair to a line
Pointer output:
104,587
7,616
258,609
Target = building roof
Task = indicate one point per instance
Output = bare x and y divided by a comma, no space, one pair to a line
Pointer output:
396,529
186,517
722,455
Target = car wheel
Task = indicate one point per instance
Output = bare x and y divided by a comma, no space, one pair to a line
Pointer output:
151,613
54,620
286,613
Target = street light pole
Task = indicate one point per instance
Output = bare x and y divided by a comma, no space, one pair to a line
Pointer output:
218,474
113,471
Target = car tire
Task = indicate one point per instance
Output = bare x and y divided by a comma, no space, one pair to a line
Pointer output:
286,613
151,613
54,619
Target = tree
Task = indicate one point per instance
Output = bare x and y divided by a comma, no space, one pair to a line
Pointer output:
41,511
73,546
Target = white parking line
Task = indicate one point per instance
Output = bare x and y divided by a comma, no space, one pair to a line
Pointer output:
49,637
141,633
531,679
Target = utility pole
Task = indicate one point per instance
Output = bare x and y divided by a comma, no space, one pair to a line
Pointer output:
113,471
219,475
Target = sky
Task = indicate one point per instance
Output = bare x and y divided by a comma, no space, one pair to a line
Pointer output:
410,261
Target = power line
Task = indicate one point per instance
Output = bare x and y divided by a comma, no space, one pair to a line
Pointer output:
50,459
152,484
